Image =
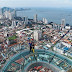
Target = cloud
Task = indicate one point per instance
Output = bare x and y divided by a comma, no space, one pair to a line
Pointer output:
36,3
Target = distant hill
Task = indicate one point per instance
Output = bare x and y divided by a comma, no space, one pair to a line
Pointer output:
7,9
11,9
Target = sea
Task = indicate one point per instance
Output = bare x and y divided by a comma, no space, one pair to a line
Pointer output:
51,14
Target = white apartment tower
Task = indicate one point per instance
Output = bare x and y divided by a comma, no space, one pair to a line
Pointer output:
45,21
37,35
62,23
13,24
25,19
35,18
5,33
10,15
58,26
1,16
15,13
6,13
53,25
0,11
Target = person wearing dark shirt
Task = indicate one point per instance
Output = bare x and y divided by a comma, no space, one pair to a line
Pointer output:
33,47
30,44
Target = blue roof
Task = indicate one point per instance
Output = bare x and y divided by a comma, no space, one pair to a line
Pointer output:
66,48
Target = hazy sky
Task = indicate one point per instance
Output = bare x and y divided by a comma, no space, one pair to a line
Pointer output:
36,3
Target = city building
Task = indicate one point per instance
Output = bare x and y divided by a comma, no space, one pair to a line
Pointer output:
0,11
62,23
67,26
13,24
15,14
58,26
53,25
37,35
49,26
25,19
6,13
45,21
7,41
66,44
1,16
10,15
35,18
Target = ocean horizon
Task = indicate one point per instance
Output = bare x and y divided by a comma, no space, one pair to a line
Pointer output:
51,14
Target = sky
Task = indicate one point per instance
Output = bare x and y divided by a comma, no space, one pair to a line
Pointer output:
36,3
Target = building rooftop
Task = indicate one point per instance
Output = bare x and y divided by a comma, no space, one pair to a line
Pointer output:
22,60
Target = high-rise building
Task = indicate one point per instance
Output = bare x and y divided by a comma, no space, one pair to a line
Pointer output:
7,41
25,19
10,15
53,25
37,35
58,26
5,33
0,11
45,21
62,23
15,14
13,24
1,16
6,13
35,18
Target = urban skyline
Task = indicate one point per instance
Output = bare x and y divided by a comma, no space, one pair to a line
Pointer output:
35,40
